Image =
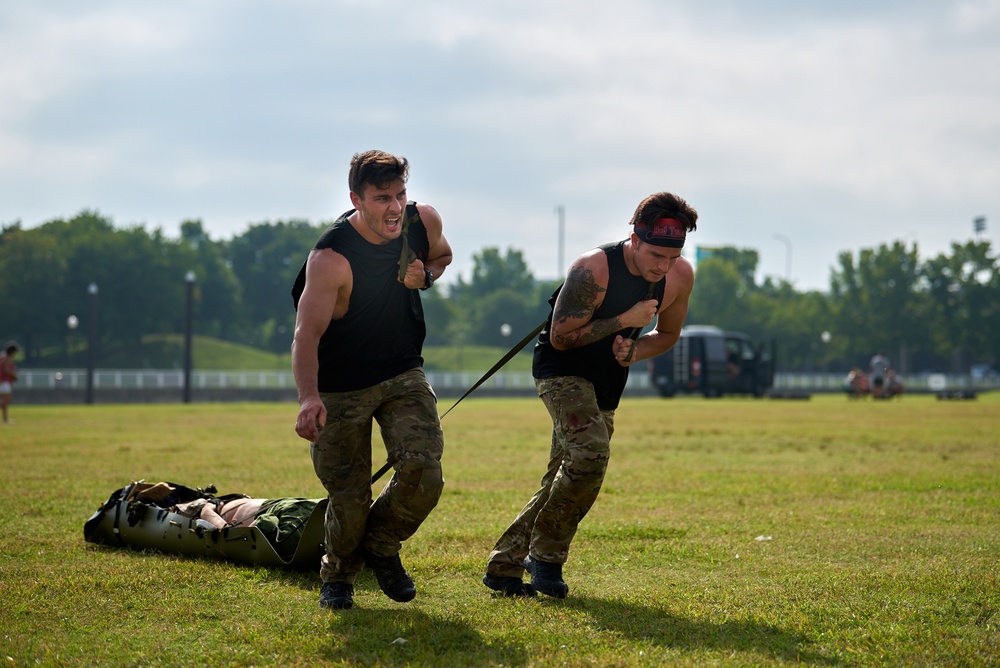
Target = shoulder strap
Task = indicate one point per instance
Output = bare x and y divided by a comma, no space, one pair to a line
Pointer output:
407,254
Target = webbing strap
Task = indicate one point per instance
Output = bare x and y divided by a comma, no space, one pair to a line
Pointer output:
636,330
406,255
506,358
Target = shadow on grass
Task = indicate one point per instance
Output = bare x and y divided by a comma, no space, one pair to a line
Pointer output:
662,629
413,637
402,637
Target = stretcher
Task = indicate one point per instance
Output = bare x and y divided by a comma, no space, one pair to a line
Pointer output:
143,516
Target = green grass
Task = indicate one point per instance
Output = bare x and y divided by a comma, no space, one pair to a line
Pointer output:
882,527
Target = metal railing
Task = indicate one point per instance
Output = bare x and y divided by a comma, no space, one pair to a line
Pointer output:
166,379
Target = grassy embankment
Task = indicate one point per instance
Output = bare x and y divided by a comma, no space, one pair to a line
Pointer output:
208,354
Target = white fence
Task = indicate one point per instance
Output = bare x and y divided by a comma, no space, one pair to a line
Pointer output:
166,379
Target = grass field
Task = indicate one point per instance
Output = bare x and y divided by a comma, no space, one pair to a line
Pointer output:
731,532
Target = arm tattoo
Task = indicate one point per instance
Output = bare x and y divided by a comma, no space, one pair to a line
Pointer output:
577,300
601,329
579,295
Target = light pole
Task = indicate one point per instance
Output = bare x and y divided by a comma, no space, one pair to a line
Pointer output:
788,255
91,338
188,322
979,225
826,337
72,322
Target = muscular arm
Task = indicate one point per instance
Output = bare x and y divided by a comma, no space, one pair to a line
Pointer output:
439,254
327,273
581,295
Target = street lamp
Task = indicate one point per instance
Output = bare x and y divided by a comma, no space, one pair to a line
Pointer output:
826,337
788,255
91,338
72,322
188,321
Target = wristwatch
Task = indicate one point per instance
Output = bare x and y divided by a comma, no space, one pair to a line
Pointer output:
428,279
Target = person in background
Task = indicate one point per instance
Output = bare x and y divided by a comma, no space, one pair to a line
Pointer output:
878,370
581,365
356,357
856,384
8,376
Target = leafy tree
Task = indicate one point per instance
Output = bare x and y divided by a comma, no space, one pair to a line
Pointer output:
505,316
879,301
965,312
743,260
30,286
945,310
492,271
265,261
719,296
439,315
219,309
502,291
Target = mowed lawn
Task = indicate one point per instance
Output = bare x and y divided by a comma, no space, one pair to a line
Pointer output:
733,532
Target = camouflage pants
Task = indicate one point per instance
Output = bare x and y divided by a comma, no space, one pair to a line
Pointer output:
581,445
405,409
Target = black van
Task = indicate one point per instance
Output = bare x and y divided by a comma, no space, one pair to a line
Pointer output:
712,362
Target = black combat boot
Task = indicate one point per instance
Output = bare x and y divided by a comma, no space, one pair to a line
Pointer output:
391,576
546,577
508,586
338,595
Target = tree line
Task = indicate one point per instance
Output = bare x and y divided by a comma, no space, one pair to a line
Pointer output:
940,314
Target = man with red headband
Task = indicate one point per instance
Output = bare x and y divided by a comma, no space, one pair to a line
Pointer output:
580,367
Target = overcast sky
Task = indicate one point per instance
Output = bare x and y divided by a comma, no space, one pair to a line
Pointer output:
800,129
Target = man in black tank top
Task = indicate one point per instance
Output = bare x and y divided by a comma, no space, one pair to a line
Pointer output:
580,367
356,356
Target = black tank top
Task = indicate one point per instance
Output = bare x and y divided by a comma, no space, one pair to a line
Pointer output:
596,362
382,333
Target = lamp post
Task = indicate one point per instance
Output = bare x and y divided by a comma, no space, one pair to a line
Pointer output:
826,337
91,338
979,225
188,322
72,322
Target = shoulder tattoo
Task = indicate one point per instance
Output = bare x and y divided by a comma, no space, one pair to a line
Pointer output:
580,293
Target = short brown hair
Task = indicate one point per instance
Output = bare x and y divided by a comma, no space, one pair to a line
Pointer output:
376,168
665,205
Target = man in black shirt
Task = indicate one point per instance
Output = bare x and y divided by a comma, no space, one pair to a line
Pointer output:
356,357
580,367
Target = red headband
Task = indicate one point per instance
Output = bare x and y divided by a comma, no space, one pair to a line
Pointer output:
668,232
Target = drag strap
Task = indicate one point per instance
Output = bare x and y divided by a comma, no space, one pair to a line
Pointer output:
406,254
506,358
637,330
